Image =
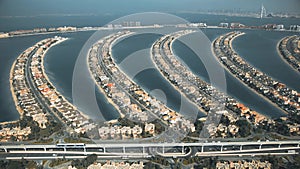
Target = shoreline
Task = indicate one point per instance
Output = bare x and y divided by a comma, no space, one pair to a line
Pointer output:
48,80
282,57
110,49
109,100
21,114
225,67
82,29
171,48
18,108
175,87
131,80
156,103
111,76
13,93
103,92
172,52
224,93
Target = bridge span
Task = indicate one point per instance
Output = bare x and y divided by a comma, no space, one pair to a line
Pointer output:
148,150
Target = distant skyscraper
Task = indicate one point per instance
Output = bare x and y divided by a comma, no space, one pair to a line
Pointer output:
263,12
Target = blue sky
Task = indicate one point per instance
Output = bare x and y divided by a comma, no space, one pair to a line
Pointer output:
42,7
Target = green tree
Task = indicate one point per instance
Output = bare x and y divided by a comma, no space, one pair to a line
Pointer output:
15,165
244,128
91,159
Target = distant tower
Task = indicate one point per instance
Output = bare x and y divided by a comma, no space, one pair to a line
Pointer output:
263,12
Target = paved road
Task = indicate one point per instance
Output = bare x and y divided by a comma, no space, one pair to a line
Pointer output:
147,150
40,98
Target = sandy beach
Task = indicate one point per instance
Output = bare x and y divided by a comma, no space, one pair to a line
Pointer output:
48,80
281,56
262,96
175,87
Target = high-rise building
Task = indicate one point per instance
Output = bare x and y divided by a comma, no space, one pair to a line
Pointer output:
263,12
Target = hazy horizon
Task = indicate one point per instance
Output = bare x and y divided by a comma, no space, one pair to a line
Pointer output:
55,7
